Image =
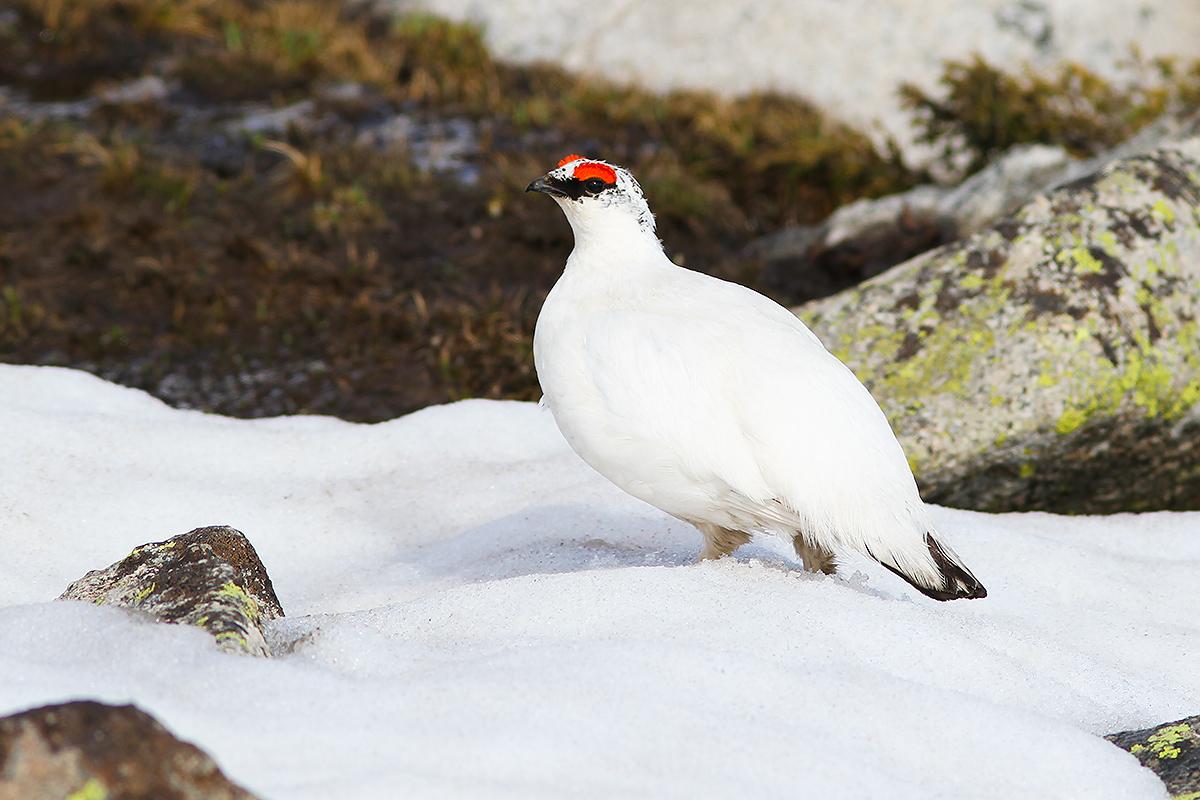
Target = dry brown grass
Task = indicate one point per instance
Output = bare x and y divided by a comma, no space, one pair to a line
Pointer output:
120,250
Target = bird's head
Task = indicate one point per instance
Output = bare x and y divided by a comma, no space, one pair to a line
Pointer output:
601,200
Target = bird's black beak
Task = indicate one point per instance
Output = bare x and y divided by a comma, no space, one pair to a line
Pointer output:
548,185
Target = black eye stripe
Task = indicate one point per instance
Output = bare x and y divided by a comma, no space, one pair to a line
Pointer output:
577,189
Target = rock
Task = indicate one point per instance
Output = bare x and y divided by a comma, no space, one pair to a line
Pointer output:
1171,751
1051,361
147,89
209,577
854,243
862,239
1002,187
275,121
91,751
445,146
848,58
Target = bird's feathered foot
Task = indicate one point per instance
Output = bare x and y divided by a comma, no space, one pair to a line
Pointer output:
720,542
815,557
954,581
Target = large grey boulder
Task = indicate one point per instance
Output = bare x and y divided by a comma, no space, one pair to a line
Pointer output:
1171,751
847,57
862,239
1051,361
91,751
209,577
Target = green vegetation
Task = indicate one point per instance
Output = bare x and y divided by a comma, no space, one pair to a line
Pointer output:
983,110
364,284
780,158
302,270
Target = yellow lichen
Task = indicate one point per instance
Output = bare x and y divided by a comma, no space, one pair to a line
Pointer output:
92,790
233,636
1071,420
1108,242
235,592
1084,262
1163,743
144,593
1163,212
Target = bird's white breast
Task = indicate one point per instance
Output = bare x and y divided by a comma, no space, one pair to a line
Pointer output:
716,405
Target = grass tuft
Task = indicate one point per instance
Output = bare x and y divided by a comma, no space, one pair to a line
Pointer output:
981,110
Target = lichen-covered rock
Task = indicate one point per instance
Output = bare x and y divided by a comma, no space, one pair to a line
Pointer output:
862,239
90,751
1171,751
209,577
1051,361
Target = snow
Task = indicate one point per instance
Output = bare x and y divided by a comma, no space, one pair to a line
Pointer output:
472,611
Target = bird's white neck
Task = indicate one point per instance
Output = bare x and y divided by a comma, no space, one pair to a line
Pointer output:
615,242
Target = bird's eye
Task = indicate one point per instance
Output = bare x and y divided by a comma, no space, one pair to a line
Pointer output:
594,185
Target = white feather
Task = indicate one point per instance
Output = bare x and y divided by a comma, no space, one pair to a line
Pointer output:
714,403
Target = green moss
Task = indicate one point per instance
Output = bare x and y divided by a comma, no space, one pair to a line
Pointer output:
142,594
984,110
92,790
1026,470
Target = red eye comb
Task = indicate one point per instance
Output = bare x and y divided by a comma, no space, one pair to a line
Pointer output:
568,159
590,169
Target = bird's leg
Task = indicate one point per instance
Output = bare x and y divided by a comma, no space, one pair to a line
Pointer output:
718,541
815,557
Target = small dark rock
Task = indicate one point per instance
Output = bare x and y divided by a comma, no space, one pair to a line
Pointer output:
1171,751
210,577
91,751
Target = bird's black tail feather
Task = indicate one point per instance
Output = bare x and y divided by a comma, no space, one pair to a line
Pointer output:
957,582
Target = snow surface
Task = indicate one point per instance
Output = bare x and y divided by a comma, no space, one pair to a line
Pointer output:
474,612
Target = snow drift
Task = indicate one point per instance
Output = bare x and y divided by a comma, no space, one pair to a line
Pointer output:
473,611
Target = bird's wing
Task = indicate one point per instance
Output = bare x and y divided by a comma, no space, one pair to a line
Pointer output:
732,393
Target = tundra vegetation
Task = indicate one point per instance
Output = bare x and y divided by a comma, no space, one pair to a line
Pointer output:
166,242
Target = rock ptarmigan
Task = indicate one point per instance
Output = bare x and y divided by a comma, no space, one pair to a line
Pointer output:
717,405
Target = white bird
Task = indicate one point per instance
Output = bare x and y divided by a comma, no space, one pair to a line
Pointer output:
716,404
